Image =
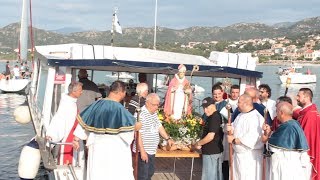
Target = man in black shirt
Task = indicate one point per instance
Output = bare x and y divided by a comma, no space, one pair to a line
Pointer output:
90,91
211,142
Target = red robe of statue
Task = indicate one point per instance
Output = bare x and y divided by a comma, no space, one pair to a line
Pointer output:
310,122
171,96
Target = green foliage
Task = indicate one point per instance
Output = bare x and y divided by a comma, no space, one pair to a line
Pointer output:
263,59
300,58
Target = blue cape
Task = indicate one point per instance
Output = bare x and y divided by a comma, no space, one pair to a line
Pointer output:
289,136
106,116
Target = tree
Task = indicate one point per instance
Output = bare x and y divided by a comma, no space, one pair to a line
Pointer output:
263,59
249,47
220,46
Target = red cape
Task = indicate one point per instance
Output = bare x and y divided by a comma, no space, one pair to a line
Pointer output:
310,123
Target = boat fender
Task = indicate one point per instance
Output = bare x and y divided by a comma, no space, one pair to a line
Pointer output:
29,161
22,114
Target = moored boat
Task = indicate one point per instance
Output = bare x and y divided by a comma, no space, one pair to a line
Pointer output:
298,78
14,85
293,76
66,59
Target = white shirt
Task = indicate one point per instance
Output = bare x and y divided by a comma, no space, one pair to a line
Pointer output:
271,106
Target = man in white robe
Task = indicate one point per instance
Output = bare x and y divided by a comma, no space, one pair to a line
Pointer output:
246,132
64,122
108,128
288,145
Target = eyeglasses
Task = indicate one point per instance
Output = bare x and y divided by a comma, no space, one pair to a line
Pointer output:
155,104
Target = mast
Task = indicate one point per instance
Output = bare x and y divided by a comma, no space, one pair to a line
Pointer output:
155,26
112,27
23,42
31,34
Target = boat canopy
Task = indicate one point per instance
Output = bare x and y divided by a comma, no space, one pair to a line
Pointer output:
124,59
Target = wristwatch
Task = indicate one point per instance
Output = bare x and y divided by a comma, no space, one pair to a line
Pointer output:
234,141
168,138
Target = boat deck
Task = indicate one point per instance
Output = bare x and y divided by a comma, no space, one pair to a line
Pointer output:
164,169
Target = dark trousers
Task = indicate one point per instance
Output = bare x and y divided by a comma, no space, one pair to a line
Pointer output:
225,170
146,170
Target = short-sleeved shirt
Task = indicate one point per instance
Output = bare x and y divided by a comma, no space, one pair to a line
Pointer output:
7,70
213,124
90,92
134,103
149,131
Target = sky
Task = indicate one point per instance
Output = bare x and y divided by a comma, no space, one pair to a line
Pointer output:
176,14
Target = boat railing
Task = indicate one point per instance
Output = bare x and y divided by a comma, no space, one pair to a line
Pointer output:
52,144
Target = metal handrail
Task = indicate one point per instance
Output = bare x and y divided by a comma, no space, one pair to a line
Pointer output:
63,144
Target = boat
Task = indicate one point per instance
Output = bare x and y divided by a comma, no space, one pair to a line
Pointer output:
19,85
124,76
14,85
66,59
292,75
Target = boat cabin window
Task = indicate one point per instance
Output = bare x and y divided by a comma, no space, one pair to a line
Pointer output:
42,86
251,81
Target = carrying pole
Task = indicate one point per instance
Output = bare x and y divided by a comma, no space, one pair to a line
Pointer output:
227,86
265,115
136,137
288,82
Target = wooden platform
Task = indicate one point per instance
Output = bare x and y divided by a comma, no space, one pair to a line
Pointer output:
165,161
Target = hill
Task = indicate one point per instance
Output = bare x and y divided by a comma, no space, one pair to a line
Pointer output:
131,37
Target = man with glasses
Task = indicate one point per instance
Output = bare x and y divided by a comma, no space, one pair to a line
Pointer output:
149,137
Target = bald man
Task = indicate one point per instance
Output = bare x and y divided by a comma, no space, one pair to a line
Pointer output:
287,141
254,94
246,132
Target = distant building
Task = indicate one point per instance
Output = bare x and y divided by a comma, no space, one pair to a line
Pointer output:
266,52
316,55
310,44
308,54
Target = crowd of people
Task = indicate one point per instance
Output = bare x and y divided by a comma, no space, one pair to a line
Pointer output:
269,139
16,72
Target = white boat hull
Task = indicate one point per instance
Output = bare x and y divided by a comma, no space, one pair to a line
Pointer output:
298,78
13,85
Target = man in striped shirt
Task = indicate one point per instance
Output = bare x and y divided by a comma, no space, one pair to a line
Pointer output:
149,137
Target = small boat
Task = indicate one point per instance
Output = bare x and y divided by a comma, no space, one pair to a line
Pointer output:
198,89
124,76
13,85
292,76
19,85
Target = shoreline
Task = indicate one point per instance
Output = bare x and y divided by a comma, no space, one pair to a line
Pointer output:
280,63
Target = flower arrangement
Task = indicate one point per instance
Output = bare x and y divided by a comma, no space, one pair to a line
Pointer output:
184,131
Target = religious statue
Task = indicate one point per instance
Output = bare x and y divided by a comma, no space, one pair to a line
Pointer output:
178,101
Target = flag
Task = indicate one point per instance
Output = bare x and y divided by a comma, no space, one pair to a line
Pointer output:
116,24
